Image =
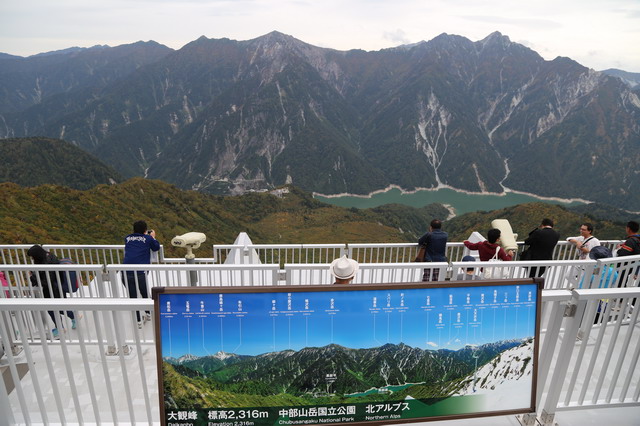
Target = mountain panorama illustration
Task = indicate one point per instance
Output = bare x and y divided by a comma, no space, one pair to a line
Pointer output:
227,116
336,374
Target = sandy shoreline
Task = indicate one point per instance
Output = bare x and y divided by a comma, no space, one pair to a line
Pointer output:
452,211
500,194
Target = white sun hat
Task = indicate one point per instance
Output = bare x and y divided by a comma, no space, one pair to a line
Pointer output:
344,268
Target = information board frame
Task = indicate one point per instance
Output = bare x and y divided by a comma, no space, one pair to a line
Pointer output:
280,299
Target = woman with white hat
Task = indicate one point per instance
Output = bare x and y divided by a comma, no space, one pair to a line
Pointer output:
344,270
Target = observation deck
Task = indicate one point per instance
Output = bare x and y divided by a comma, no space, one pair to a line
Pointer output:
104,370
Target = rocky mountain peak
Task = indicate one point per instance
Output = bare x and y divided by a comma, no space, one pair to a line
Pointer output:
496,37
225,116
222,355
277,39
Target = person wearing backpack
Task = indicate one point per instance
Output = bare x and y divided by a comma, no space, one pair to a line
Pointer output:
49,280
137,251
490,248
490,251
585,242
630,247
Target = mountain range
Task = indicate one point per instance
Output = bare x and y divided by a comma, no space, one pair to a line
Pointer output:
225,116
303,373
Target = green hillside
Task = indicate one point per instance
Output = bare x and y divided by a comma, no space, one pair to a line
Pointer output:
38,161
525,217
104,214
51,214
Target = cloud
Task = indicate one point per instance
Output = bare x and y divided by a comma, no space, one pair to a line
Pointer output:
357,24
432,344
536,23
631,14
526,43
398,36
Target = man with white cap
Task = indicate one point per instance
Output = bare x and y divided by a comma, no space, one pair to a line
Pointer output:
344,270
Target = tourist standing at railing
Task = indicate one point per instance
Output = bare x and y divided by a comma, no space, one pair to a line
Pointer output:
541,242
137,251
344,270
630,247
488,249
435,242
49,282
585,242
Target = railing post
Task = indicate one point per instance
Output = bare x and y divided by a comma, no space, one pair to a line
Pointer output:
5,408
245,255
573,313
528,419
555,312
112,279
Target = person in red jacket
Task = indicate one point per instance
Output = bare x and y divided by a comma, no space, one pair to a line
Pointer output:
487,249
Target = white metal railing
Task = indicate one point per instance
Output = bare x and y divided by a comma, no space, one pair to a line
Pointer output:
611,272
105,369
108,280
12,254
277,253
51,278
269,253
194,275
111,281
305,274
387,253
596,364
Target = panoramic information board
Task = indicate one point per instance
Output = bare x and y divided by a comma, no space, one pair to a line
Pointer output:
248,356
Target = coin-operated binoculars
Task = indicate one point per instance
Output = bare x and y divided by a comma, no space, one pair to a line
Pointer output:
190,241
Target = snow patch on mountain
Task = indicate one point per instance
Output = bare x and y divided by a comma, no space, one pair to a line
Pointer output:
506,379
222,355
184,358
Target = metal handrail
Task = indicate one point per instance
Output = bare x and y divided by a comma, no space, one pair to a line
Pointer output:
269,253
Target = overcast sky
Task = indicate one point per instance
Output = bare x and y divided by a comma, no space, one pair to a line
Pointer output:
597,33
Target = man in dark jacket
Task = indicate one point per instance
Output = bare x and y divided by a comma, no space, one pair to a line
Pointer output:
542,241
630,247
137,251
435,242
49,283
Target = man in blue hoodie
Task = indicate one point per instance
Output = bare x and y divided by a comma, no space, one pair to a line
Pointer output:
137,251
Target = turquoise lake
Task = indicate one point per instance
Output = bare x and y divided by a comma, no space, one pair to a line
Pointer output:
460,201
